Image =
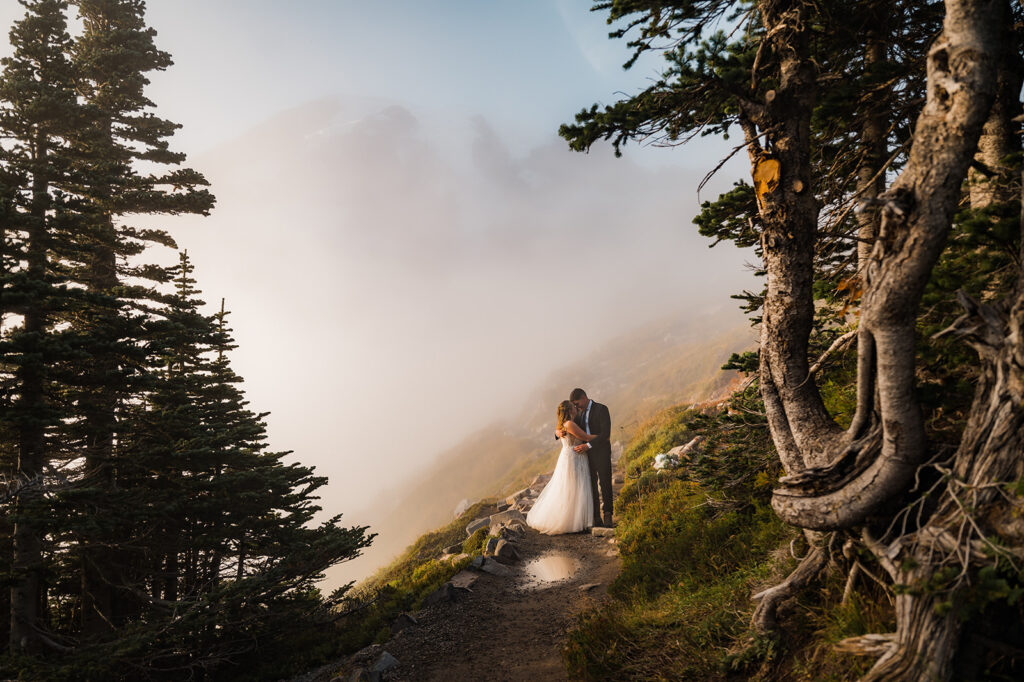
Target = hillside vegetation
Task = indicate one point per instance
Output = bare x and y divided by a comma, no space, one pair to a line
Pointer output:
696,543
647,369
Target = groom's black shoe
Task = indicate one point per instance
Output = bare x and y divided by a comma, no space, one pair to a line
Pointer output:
607,521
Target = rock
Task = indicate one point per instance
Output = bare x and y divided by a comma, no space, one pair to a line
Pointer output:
360,675
453,549
477,562
403,621
367,654
464,580
476,525
494,568
505,552
491,546
516,527
612,541
612,552
602,532
540,481
446,593
384,663
589,586
506,517
524,505
502,506
511,533
516,496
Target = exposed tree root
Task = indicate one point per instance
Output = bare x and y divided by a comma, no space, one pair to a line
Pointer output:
765,621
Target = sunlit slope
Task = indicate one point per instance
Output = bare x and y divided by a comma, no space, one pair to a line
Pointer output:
661,364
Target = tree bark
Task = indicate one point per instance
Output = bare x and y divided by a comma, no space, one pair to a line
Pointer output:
915,223
799,423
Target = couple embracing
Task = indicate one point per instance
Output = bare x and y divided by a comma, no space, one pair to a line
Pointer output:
570,502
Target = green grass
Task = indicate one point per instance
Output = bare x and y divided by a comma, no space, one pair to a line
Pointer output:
696,543
403,584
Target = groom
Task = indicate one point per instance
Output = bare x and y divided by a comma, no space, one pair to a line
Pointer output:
595,419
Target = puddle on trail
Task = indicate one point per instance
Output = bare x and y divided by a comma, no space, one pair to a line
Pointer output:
547,570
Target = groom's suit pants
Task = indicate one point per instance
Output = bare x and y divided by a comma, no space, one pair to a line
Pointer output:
601,475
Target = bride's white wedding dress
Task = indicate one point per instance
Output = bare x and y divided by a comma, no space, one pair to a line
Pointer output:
565,505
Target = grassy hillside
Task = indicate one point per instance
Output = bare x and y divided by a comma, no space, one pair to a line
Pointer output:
696,543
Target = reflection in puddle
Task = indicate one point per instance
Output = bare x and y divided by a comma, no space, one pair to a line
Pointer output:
549,569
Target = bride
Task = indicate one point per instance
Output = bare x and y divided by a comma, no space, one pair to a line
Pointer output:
566,504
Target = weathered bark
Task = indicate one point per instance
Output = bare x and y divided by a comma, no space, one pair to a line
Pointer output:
972,507
915,223
924,645
988,180
764,620
789,215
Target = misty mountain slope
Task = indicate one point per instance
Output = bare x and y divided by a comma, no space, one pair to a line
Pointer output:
427,257
674,361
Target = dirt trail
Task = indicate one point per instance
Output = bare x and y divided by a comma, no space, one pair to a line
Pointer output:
505,629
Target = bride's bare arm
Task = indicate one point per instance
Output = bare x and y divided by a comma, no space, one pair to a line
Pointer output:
573,429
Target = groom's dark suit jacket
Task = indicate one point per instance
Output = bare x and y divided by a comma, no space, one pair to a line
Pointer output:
600,456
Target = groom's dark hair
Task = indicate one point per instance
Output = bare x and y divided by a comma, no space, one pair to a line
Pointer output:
577,393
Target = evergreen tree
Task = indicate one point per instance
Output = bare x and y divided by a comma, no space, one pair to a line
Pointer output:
40,109
112,56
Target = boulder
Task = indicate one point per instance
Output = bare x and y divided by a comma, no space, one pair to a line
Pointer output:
453,549
359,675
491,566
505,552
367,654
502,506
384,663
516,496
446,593
602,532
510,533
506,517
403,621
476,525
464,580
516,527
491,545
540,481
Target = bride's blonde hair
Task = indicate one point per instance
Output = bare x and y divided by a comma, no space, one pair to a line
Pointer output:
564,413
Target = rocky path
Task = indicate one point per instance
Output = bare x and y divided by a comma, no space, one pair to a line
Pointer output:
509,627
499,621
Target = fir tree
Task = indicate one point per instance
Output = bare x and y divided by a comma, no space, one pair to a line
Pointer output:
40,109
113,56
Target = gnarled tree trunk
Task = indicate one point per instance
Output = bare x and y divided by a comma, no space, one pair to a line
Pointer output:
839,480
